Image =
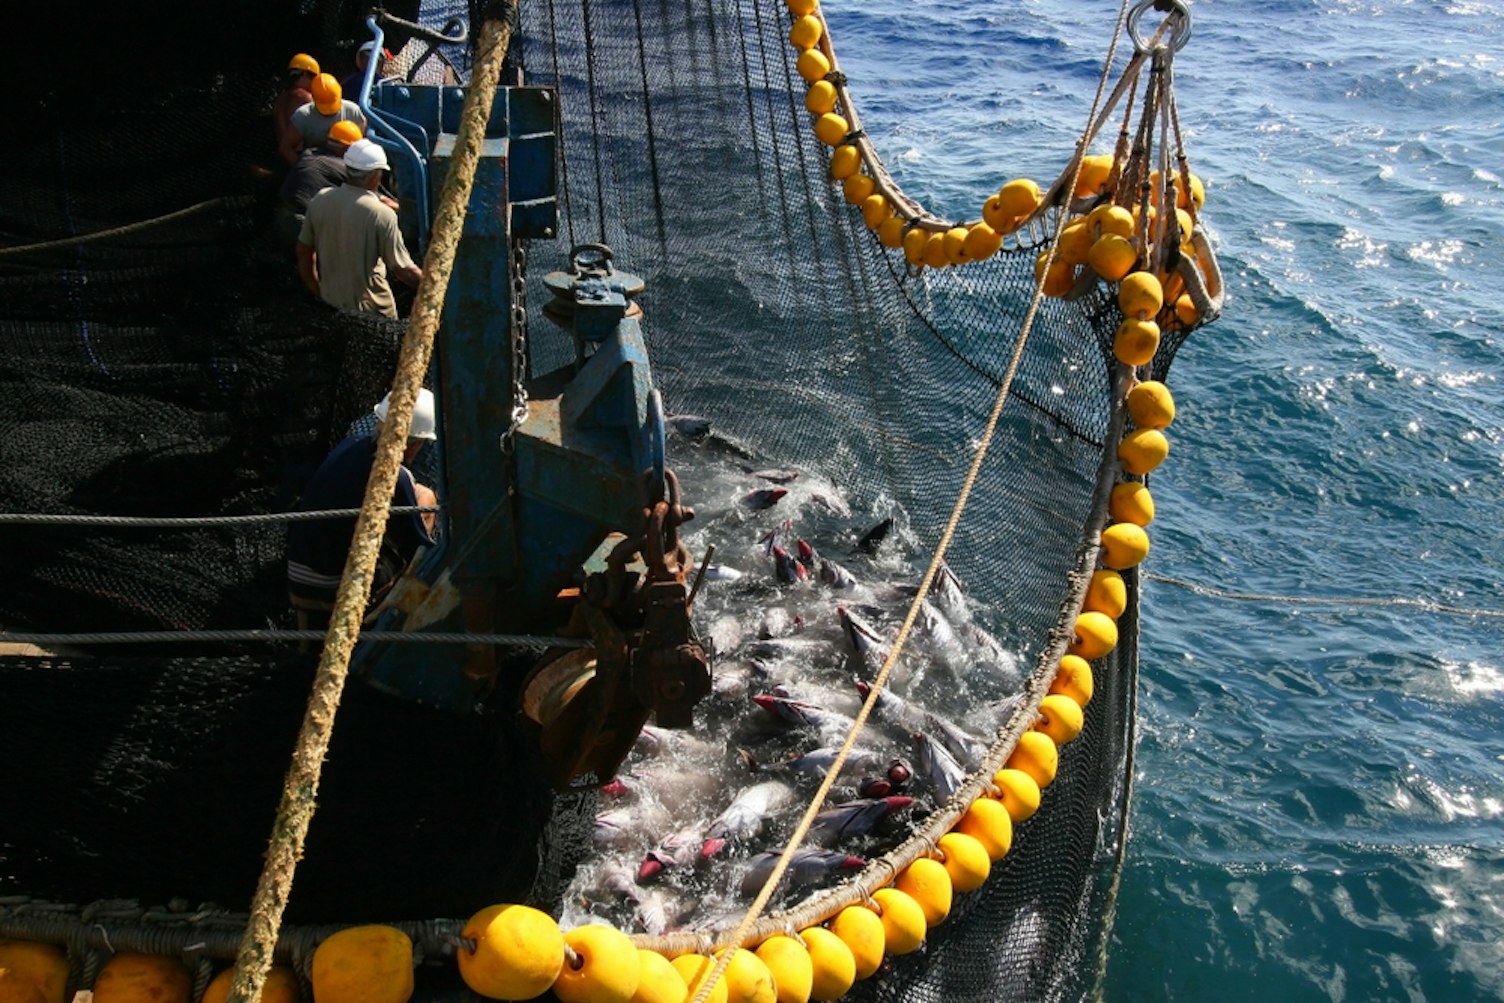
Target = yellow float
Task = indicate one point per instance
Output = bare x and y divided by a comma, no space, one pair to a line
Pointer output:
833,967
1074,680
1018,792
1124,545
518,952
926,882
604,969
1060,718
789,961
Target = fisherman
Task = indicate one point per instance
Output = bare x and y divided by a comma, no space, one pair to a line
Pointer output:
351,82
309,125
317,168
317,549
301,70
350,240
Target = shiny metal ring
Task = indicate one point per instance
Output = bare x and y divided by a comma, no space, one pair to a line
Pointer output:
1178,10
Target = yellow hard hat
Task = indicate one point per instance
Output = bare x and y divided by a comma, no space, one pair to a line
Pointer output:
344,132
303,63
327,95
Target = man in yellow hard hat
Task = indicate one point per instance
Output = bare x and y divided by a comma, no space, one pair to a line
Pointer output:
318,167
301,69
350,242
310,124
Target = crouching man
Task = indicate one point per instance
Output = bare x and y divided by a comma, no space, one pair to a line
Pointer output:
317,549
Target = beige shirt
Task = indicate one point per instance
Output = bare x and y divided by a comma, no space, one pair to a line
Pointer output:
356,239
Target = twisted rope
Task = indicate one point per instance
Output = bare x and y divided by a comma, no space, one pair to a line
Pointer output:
301,787
118,231
182,522
531,641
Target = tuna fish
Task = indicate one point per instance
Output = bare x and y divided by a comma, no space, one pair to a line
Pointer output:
654,910
803,715
745,817
806,867
988,651
691,426
721,573
674,850
832,574
622,828
949,595
868,649
872,540
852,819
859,763
775,475
786,569
763,498
961,744
945,774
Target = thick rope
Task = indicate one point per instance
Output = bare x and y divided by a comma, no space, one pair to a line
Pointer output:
530,641
817,801
117,231
301,787
187,522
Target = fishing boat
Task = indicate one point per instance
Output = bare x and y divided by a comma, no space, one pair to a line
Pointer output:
698,359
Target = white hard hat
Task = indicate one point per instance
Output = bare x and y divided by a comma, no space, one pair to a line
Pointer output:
366,47
424,424
364,155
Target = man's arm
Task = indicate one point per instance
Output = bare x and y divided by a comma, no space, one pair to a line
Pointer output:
308,267
410,275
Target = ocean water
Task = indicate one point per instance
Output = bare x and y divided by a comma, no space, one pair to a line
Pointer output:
1318,782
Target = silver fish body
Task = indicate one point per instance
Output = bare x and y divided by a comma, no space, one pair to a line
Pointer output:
807,867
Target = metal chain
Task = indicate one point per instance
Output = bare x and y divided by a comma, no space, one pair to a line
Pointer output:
519,341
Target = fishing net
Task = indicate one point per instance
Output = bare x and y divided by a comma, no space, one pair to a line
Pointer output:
179,369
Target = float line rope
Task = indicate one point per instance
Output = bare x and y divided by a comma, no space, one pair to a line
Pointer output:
234,636
1429,605
818,799
301,787
118,231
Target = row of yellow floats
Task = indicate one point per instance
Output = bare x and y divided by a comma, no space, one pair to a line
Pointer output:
1102,240
515,952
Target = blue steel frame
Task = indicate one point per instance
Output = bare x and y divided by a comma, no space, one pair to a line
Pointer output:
519,517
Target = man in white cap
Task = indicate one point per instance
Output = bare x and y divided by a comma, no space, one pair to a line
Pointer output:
350,242
317,549
351,82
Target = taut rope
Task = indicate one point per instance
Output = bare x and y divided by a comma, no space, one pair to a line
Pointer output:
301,786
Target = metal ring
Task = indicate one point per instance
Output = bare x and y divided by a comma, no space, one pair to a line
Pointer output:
1178,10
657,439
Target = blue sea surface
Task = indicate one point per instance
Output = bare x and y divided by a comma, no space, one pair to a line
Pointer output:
1318,810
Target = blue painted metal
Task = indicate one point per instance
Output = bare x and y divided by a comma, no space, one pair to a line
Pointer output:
520,517
389,137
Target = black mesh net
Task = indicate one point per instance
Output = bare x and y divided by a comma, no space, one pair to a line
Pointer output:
180,370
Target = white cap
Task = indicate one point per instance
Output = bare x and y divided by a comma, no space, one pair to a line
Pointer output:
367,47
424,424
364,155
